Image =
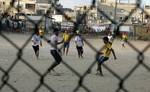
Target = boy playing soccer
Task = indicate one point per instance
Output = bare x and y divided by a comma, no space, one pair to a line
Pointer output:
54,49
36,40
104,55
124,39
66,40
79,44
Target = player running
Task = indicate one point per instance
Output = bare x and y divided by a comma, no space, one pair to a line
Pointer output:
66,40
79,44
54,49
36,40
104,55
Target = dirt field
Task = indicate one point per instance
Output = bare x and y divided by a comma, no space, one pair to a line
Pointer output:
24,79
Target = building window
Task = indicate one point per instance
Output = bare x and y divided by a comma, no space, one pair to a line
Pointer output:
40,12
103,1
30,6
147,6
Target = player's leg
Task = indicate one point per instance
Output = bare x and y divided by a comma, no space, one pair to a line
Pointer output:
57,58
99,69
101,60
123,44
36,50
78,50
81,51
67,46
64,46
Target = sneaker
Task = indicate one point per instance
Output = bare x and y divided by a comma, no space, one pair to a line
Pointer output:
98,73
49,70
89,71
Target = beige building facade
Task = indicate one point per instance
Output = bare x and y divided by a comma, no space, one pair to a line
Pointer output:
129,5
25,6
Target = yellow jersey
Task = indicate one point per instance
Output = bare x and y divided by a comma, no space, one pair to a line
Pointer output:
66,37
41,32
124,37
107,49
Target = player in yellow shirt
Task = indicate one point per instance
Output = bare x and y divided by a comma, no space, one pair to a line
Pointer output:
124,39
104,55
66,40
41,31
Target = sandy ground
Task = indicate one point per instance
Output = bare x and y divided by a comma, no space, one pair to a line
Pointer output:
24,79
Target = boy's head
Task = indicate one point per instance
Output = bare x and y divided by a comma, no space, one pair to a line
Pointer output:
56,31
37,33
36,30
105,39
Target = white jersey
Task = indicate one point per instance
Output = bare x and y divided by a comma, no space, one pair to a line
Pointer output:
36,40
54,40
79,41
110,37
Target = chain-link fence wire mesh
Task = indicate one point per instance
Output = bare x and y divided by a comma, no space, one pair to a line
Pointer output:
20,50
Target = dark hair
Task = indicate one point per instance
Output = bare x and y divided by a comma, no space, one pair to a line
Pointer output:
55,30
105,38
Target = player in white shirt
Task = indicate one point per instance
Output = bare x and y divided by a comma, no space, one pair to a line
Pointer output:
36,41
110,37
79,44
54,49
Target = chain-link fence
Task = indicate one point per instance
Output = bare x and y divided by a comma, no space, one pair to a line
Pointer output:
5,74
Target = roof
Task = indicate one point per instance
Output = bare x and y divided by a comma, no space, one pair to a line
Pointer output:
43,1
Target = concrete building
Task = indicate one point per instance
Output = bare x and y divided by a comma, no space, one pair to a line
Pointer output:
4,4
91,13
42,6
127,5
26,6
124,6
147,9
70,13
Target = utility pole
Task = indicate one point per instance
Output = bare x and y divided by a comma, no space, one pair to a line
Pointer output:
115,18
18,8
115,11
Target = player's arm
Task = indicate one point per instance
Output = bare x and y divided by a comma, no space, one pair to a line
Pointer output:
33,41
112,50
60,42
75,40
82,40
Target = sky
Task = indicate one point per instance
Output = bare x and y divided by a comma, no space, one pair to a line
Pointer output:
72,3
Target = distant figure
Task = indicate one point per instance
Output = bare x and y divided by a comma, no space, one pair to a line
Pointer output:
104,55
110,37
79,44
54,49
66,40
36,40
124,39
41,31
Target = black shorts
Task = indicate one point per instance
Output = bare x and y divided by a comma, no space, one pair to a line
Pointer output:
36,48
66,44
80,49
101,59
56,56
